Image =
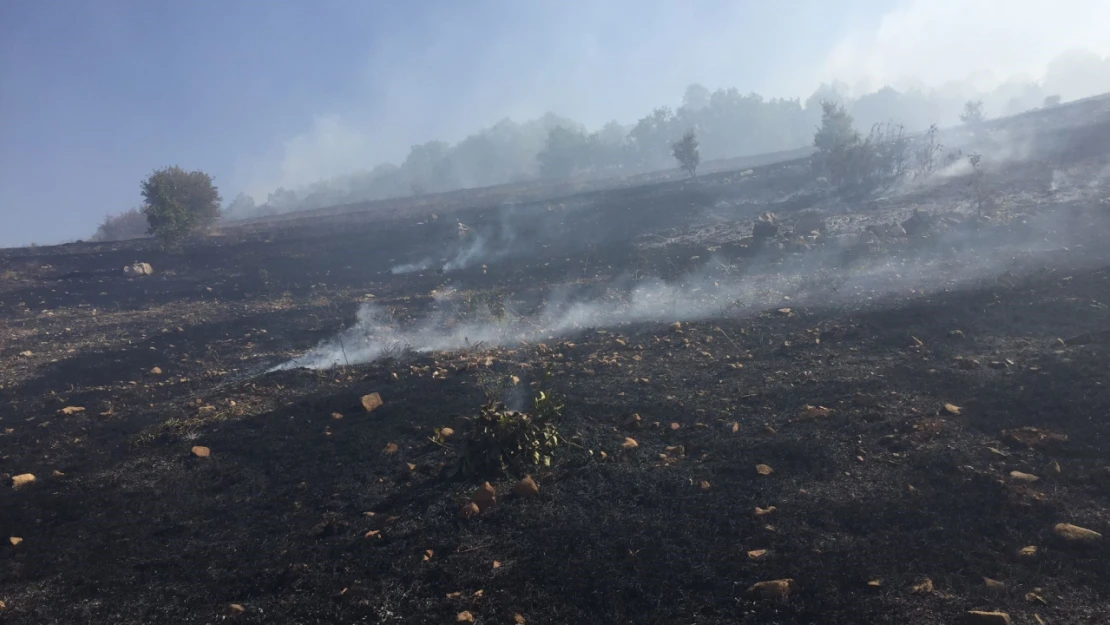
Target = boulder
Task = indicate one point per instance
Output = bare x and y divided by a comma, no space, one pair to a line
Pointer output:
138,269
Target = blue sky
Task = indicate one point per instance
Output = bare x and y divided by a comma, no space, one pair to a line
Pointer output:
95,95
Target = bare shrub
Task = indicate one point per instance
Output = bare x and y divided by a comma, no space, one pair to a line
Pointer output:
130,224
686,152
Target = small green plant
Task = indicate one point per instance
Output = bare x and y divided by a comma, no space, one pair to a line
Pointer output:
502,441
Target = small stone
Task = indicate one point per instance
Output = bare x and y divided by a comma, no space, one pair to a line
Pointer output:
485,497
15,540
446,432
629,443
632,421
756,554
526,487
1074,533
1028,552
235,609
390,449
464,617
704,486
993,584
925,586
763,469
951,409
765,511
156,371
993,453
777,589
200,451
371,402
518,619
470,510
977,617
875,583
72,410
19,481
1023,477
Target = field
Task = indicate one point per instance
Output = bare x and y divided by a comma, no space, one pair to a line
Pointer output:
893,409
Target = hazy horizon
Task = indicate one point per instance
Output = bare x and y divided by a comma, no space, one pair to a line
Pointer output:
97,96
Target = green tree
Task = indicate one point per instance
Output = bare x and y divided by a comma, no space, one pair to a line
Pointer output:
179,203
685,151
836,130
973,113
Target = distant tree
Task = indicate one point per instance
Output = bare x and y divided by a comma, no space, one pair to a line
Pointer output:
242,206
130,224
685,151
565,153
696,98
1051,101
973,113
836,129
179,203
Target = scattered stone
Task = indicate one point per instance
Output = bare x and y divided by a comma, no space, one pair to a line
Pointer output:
977,617
19,481
15,540
993,453
27,354
808,223
518,619
1074,533
704,486
464,616
235,609
763,469
1023,477
371,402
925,586
526,487
632,421
1033,597
993,584
138,269
777,589
815,412
485,497
429,554
390,449
446,432
156,371
1033,437
629,443
1028,552
470,510
756,554
765,511
951,409
72,410
200,451
875,583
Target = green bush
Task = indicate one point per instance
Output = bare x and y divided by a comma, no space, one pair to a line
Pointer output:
179,203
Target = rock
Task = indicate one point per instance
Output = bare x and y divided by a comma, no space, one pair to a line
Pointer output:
390,449
446,432
977,617
993,584
776,589
156,371
72,410
485,497
1074,533
919,223
992,453
201,452
808,223
766,227
19,481
464,616
371,402
1023,477
15,540
704,486
756,554
763,469
27,354
765,511
235,609
632,421
470,510
924,587
526,487
629,443
951,409
1033,437
138,269
518,619
1028,552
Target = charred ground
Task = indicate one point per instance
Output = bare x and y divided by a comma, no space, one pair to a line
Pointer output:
887,490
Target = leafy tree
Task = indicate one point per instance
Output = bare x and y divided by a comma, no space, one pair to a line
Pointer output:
696,98
1051,101
836,128
973,113
565,152
685,151
130,224
241,206
179,203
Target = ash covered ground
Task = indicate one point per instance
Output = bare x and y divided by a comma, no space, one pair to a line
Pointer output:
923,373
